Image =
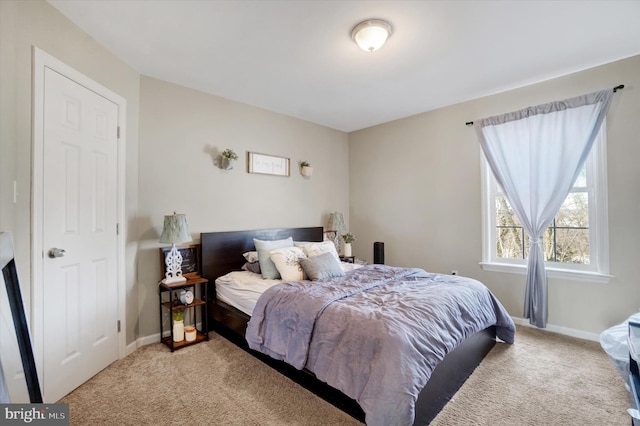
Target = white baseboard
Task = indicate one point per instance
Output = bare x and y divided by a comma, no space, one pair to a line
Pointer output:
560,330
147,340
143,341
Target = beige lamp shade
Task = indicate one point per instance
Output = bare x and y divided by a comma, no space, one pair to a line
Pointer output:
336,223
175,229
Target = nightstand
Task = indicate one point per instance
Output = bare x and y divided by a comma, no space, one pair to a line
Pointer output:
348,259
169,302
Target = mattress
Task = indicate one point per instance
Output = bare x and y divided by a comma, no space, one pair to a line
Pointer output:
242,289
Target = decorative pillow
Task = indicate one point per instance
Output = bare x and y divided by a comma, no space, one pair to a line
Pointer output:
287,261
321,267
316,249
252,267
251,256
267,267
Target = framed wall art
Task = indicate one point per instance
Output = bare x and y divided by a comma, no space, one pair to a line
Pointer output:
268,164
190,260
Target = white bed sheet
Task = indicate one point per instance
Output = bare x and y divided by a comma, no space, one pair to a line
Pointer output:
241,289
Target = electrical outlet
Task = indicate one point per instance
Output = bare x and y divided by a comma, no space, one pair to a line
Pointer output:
454,272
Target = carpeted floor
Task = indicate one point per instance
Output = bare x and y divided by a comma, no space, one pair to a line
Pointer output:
543,379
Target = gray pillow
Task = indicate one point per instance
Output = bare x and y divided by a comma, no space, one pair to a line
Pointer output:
252,267
321,267
267,267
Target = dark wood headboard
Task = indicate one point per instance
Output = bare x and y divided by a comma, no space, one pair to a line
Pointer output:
222,251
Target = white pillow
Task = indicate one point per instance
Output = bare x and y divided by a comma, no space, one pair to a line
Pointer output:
251,256
316,249
287,261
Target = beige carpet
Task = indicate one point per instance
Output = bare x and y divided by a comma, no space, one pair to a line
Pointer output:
544,379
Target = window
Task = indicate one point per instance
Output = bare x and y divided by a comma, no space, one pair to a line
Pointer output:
576,243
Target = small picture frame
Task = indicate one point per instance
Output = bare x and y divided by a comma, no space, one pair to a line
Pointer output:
268,164
190,260
330,235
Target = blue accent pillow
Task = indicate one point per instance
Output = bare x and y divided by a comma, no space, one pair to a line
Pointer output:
267,267
321,267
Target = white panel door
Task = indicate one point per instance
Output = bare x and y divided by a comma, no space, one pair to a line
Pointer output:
80,288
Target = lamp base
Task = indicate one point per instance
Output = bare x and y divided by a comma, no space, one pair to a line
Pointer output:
173,261
174,280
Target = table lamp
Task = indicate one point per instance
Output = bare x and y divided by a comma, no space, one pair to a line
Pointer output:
336,224
175,231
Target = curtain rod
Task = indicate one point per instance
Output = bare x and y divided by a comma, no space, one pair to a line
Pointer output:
615,89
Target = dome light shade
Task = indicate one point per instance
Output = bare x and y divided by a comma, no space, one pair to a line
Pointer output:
371,34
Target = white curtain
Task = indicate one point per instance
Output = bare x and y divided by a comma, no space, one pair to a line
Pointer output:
535,155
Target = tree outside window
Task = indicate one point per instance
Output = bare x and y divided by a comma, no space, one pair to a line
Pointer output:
576,239
565,241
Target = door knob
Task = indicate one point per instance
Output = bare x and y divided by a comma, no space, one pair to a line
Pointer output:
56,252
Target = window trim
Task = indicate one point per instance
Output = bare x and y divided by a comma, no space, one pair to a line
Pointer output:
598,269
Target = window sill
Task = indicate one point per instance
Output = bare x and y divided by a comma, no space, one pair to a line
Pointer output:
552,272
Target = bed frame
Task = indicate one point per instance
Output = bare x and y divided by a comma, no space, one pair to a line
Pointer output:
222,252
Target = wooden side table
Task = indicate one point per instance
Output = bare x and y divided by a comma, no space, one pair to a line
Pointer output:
172,304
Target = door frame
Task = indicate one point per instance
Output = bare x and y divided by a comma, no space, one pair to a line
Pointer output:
40,61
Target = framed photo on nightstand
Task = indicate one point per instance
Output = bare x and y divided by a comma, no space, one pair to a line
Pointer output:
190,260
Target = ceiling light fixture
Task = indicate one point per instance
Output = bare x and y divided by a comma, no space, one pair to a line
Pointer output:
371,34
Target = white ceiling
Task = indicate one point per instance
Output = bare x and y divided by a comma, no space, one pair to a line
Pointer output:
296,57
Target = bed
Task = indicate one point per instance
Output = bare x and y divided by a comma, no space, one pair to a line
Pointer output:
222,252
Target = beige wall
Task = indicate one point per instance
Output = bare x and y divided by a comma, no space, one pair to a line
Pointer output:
180,132
24,24
415,184
412,183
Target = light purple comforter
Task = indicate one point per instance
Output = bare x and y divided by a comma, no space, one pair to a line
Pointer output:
377,333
